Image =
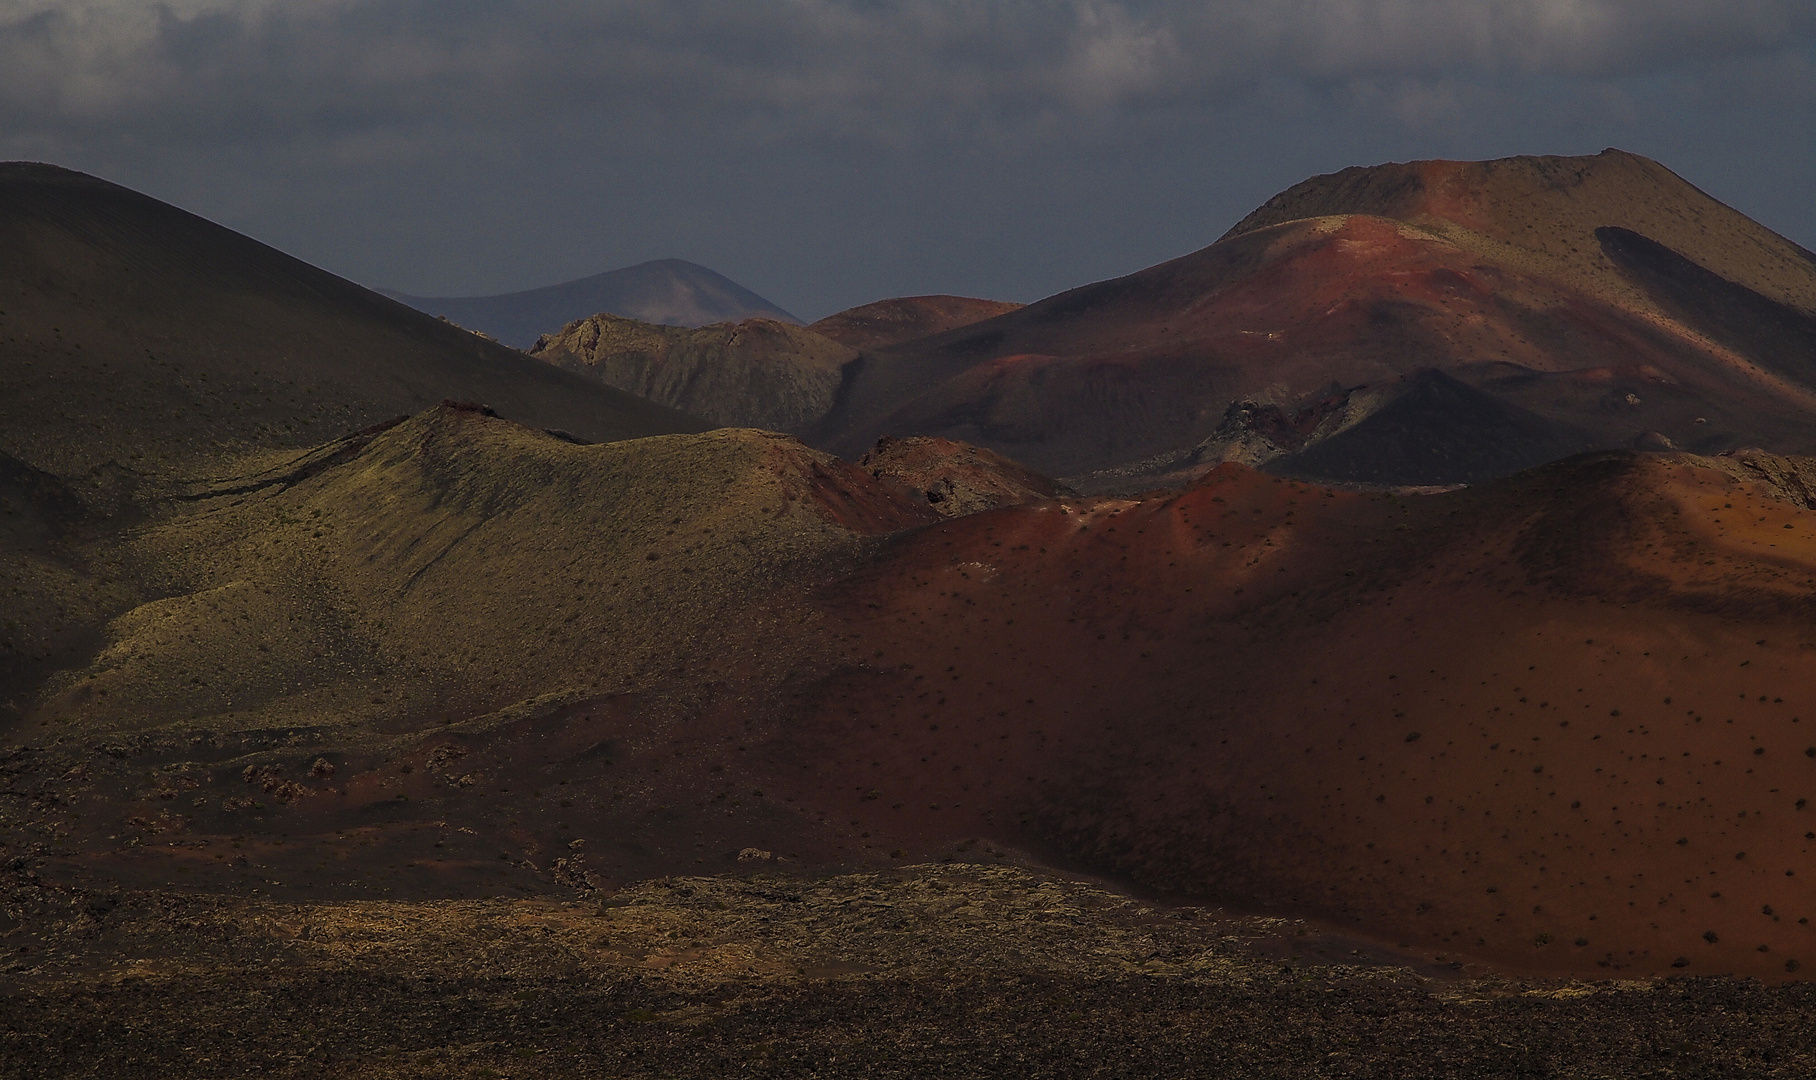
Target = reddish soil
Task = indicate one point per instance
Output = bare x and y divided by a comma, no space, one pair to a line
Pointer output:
908,318
956,479
1503,275
1454,727
1561,722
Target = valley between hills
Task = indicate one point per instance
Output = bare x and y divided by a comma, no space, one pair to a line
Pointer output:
1387,635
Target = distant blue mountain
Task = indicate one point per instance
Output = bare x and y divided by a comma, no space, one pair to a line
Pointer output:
667,291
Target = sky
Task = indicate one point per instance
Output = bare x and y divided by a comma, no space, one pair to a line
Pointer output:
827,153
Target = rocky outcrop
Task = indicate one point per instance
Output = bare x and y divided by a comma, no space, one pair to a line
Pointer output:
957,478
757,373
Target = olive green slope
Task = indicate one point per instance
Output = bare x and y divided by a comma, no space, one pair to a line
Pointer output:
756,373
448,566
139,341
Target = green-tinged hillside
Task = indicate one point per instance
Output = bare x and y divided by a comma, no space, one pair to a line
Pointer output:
453,561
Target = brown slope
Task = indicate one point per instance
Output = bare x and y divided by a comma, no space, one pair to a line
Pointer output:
1558,722
410,632
454,555
430,666
756,373
956,479
1542,214
135,333
904,319
1129,376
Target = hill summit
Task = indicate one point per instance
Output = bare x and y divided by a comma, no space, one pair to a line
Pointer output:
672,292
1599,301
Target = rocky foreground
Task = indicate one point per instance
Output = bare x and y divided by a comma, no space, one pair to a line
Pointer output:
937,970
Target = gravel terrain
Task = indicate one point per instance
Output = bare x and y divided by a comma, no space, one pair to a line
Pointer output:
936,970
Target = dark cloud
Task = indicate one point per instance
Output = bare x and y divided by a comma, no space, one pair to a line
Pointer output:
831,151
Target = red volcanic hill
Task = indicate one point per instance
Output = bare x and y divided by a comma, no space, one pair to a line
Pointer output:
1561,721
1583,302
908,318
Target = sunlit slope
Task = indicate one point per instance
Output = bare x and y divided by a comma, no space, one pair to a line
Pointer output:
1573,705
142,340
451,564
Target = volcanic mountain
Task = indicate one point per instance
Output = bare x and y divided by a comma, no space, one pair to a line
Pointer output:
139,341
1555,721
756,373
1558,720
670,292
753,373
145,352
1583,302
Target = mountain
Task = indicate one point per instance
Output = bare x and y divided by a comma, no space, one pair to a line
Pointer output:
1562,719
1548,212
666,291
289,647
140,343
145,353
1554,722
755,373
1604,296
907,318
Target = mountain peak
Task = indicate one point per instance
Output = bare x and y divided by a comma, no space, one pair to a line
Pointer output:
1544,211
670,292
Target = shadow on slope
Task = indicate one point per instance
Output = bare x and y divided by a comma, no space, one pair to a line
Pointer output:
1776,335
1434,431
136,334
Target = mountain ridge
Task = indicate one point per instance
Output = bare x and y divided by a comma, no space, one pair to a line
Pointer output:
662,291
1526,291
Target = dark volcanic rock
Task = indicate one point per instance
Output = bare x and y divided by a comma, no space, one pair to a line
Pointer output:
956,478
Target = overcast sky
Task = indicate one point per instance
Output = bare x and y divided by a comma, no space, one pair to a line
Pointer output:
831,152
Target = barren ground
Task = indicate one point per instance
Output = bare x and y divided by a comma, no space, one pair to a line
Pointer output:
929,970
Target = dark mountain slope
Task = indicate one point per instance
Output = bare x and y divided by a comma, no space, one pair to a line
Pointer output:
1435,430
142,338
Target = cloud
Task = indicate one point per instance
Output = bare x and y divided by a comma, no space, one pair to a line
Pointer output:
833,151
856,68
